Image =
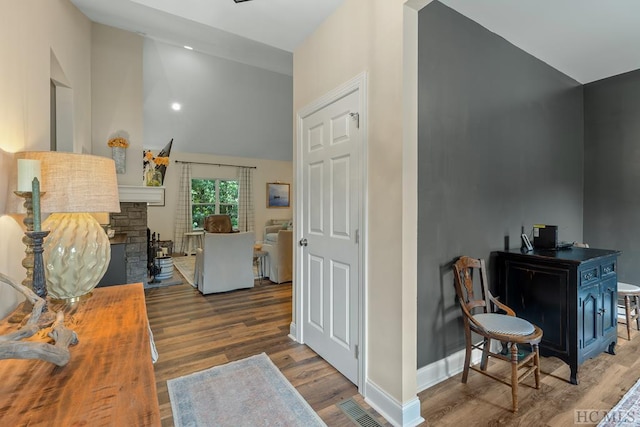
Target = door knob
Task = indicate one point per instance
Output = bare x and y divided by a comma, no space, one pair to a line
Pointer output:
303,242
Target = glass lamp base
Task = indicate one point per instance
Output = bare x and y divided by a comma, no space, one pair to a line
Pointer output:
76,254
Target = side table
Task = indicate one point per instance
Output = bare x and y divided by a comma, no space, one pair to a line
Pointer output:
193,241
259,257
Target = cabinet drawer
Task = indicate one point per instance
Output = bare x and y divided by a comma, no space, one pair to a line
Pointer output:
608,269
589,275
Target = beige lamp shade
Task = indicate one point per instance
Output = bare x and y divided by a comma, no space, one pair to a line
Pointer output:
77,250
76,182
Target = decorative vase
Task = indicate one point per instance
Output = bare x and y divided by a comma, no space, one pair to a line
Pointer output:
165,263
119,155
153,177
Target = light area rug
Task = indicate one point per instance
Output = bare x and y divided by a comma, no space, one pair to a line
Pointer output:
186,265
176,279
626,413
248,392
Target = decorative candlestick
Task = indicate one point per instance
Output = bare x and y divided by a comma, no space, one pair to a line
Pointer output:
39,280
27,261
28,180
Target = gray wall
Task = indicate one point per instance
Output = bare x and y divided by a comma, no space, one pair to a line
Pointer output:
612,169
228,108
500,148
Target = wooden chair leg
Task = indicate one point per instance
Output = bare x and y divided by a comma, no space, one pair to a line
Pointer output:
637,299
627,313
536,361
467,356
467,361
485,354
514,376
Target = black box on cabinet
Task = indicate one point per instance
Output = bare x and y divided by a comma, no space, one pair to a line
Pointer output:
545,236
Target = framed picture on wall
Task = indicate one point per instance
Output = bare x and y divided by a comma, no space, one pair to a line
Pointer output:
278,195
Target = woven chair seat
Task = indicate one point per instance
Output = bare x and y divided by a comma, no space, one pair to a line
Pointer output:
629,305
503,324
628,288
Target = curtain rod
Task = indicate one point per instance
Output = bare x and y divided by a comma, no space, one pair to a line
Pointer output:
217,164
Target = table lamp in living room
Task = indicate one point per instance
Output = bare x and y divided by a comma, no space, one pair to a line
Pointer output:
77,251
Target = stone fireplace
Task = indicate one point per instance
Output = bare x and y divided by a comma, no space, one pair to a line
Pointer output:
132,221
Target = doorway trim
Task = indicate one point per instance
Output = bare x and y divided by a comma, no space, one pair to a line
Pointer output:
359,84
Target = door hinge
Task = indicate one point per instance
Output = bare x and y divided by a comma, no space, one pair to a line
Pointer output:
357,236
357,117
357,352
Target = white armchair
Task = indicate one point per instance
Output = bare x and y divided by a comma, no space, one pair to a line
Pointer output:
272,227
225,262
280,256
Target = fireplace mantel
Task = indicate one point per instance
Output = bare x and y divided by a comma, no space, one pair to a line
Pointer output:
139,193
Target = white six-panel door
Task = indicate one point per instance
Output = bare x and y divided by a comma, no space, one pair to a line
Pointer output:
330,211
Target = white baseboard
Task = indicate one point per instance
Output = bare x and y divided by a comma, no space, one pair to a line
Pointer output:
439,371
292,331
399,415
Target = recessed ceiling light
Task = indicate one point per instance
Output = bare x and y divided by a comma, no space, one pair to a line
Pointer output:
176,106
188,47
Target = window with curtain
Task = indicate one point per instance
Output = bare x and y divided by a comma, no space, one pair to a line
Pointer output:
214,196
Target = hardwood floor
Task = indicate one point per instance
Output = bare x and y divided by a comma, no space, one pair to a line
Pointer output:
195,332
485,402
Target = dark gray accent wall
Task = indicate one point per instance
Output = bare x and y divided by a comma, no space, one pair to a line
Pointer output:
500,148
612,169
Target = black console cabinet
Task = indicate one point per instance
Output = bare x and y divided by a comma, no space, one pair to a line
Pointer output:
570,294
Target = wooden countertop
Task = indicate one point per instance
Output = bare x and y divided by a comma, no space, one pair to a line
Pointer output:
109,379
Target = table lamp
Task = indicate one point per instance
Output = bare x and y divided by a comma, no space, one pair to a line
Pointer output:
77,251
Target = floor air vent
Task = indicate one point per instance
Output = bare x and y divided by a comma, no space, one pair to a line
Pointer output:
358,414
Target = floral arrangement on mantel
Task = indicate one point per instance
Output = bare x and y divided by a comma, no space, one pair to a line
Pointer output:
155,161
152,176
155,167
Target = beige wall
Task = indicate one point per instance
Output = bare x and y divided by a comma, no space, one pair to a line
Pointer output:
117,93
367,35
30,31
161,219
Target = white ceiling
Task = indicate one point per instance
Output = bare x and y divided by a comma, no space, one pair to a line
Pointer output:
263,33
585,39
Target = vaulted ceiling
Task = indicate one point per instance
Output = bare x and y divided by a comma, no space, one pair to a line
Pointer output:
263,33
585,39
